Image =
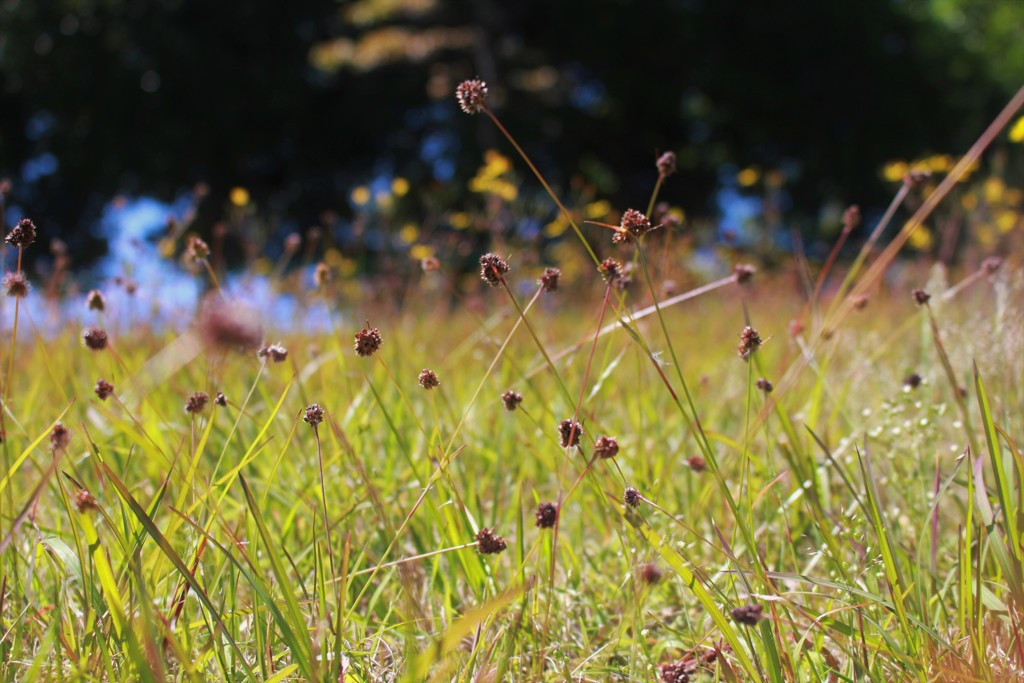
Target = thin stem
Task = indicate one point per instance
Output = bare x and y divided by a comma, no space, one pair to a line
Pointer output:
323,500
395,563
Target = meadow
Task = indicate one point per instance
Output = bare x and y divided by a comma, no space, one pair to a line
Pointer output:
621,471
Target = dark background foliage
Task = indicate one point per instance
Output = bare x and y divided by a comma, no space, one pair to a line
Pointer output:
299,100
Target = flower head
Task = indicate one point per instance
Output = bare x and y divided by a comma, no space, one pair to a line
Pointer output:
606,447
368,341
633,226
196,403
220,399
472,96
85,501
547,514
314,415
489,543
611,270
750,341
744,272
912,381
921,297
631,497
197,249
749,614
104,389
428,379
511,399
764,385
94,300
569,432
549,279
95,339
851,218
60,437
16,285
696,463
22,234
493,269
666,164
275,352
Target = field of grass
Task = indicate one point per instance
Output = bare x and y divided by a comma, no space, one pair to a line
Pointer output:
803,485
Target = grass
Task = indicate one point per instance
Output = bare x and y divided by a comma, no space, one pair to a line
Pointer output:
852,524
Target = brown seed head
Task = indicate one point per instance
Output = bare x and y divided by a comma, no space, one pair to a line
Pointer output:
489,543
677,672
666,164
913,380
511,399
750,341
649,573
196,403
94,300
104,389
631,497
85,501
60,437
991,264
314,415
472,96
549,279
220,399
322,275
606,447
851,218
921,297
748,615
275,352
368,340
226,327
547,515
859,302
633,226
744,272
764,385
197,249
428,379
611,270
493,269
16,285
696,463
95,339
570,432
22,234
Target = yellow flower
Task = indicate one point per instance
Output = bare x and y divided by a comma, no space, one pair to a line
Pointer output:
921,238
239,196
421,251
748,176
360,195
408,233
1017,131
895,170
598,209
1006,221
400,186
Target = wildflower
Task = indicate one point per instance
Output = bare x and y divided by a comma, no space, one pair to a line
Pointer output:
220,399
16,285
631,497
60,437
85,501
322,275
104,389
95,338
764,385
428,379
611,270
606,447
633,225
750,341
547,514
368,340
275,352
197,249
743,272
511,399
859,302
22,234
472,96
649,573
492,269
570,432
851,218
666,164
196,403
94,301
549,279
912,381
748,615
678,672
228,327
314,415
921,297
489,543
696,463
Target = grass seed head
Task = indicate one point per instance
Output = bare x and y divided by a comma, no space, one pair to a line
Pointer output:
85,501
196,403
197,249
611,270
851,218
104,389
16,285
606,447
632,226
649,573
631,497
666,164
368,341
94,338
912,381
549,279
493,269
511,399
472,96
428,379
60,437
94,300
547,515
275,352
921,297
678,672
314,415
489,543
744,272
749,614
569,432
220,399
750,341
764,385
696,463
22,234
